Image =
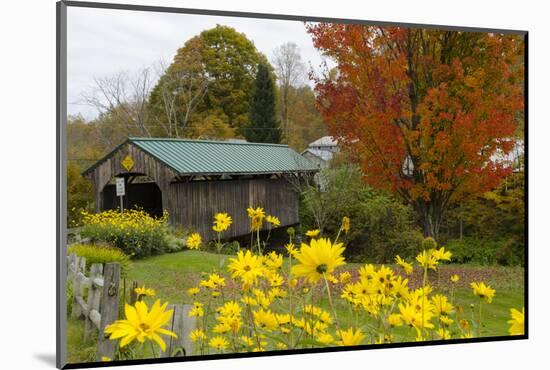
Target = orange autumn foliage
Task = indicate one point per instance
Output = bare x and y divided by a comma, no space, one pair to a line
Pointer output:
446,100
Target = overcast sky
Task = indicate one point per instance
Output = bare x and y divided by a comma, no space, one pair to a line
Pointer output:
103,42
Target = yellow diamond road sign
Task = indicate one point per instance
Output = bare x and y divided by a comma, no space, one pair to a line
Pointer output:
128,163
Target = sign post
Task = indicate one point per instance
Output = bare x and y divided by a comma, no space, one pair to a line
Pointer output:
120,191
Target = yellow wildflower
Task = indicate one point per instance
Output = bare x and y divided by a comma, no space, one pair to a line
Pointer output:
273,220
344,277
325,338
291,249
416,318
445,320
147,292
345,224
367,272
257,216
247,340
276,280
443,334
483,291
141,324
246,267
350,337
276,293
219,343
318,258
441,254
230,308
197,335
407,267
441,305
196,311
517,323
249,301
193,291
395,320
222,221
194,241
273,260
221,328
214,281
313,233
426,259
265,319
293,283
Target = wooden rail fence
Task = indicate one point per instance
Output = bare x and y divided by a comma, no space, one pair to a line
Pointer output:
101,307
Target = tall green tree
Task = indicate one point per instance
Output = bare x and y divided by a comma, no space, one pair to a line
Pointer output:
210,80
263,125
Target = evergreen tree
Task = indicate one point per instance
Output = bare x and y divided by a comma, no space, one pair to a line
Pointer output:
263,125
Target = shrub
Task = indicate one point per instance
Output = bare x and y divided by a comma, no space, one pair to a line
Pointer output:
101,254
493,221
174,244
133,231
485,252
381,225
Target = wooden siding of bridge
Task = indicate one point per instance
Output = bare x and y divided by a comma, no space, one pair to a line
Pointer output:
195,203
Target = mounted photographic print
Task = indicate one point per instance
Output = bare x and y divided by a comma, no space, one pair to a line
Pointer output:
236,184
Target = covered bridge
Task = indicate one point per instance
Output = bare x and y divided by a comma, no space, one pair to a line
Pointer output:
195,179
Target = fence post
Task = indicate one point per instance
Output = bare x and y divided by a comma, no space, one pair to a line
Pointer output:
182,325
94,295
71,264
78,286
109,309
82,266
133,294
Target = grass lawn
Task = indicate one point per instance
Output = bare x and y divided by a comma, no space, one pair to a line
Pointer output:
172,274
77,349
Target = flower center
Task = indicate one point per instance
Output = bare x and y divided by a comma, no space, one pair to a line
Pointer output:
143,326
247,268
322,268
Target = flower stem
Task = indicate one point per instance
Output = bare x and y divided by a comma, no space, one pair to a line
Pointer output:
480,313
251,318
258,240
218,249
424,295
331,304
338,235
153,350
452,294
289,280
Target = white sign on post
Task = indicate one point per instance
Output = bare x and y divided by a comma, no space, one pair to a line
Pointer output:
120,186
120,191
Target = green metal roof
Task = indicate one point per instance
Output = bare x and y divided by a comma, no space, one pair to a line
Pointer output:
218,157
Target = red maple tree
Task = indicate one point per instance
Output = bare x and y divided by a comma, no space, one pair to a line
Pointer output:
422,111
